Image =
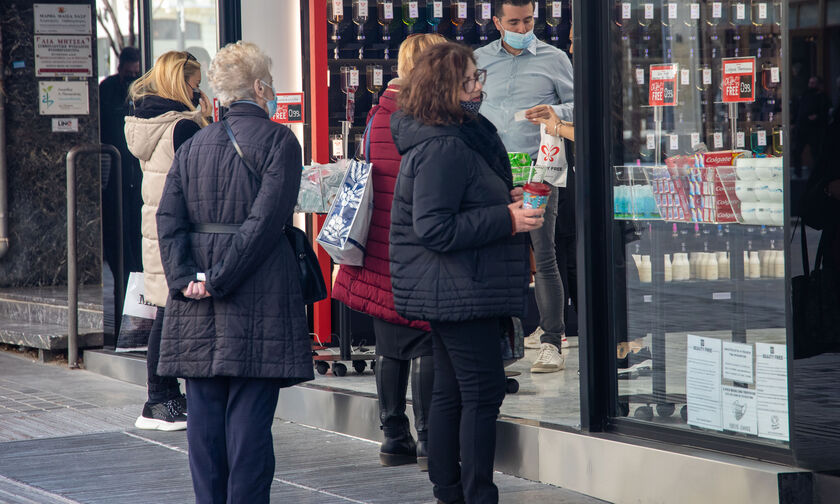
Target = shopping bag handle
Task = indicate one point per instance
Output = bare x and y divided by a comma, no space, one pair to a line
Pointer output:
366,136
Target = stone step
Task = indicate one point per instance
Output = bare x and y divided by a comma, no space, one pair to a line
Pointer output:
48,306
45,336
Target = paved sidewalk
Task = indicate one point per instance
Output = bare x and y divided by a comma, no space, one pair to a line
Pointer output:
67,437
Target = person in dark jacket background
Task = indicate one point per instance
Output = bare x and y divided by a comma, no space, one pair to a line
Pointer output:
113,107
400,344
235,324
459,259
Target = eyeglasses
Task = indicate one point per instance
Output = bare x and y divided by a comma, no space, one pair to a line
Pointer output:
480,77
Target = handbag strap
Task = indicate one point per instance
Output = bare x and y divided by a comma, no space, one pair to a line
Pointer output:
239,150
366,136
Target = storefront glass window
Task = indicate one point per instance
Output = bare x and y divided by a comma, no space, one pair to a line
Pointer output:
186,25
699,216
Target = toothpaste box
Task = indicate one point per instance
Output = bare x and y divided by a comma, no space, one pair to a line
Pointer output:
723,158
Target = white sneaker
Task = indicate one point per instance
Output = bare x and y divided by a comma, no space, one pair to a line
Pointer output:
533,341
550,360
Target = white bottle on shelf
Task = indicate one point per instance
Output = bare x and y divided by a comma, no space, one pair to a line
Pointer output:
779,264
681,268
723,265
693,260
755,265
645,270
711,267
669,269
766,263
637,260
746,264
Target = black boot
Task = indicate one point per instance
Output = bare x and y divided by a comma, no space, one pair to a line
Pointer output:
422,381
391,385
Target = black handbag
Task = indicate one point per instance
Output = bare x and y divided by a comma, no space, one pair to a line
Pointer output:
818,210
312,285
816,306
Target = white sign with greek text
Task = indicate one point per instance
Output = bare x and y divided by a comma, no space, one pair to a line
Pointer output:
63,56
69,19
63,98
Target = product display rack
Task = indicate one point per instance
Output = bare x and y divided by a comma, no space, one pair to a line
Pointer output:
676,94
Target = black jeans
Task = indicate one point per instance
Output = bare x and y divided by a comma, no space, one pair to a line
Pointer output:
231,450
468,391
160,388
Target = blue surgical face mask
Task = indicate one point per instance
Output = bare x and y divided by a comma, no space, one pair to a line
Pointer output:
271,104
519,41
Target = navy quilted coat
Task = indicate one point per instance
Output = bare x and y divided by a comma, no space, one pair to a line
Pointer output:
453,257
254,324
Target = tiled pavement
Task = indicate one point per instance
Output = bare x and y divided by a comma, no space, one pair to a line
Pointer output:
67,437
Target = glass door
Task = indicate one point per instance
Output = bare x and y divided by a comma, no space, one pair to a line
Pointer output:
698,188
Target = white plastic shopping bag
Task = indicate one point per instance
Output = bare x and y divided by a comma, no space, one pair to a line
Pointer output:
551,164
344,235
137,317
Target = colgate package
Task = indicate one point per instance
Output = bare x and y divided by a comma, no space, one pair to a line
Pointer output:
721,158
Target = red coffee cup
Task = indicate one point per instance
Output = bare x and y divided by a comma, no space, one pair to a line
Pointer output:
535,195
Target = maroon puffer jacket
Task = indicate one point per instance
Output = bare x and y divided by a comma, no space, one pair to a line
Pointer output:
367,289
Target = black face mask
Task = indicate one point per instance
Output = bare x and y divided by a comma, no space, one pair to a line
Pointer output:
196,97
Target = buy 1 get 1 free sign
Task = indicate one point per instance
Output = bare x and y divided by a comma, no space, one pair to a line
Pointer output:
663,85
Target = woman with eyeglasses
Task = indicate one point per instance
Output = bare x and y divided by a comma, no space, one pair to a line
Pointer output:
459,260
168,108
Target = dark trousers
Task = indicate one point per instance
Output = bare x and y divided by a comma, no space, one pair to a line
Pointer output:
160,388
468,390
229,434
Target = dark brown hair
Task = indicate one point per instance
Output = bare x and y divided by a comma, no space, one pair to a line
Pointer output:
432,95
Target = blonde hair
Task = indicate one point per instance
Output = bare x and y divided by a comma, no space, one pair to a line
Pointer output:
235,68
411,48
168,79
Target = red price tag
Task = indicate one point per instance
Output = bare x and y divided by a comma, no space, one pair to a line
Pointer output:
738,80
663,85
289,108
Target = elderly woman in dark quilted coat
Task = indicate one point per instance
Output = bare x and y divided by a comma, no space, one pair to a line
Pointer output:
235,325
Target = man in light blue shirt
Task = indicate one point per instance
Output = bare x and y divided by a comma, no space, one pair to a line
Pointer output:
525,74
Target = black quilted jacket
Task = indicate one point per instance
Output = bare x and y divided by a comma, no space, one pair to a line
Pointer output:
254,325
452,254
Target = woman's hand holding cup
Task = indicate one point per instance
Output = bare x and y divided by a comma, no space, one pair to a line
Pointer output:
525,219
516,194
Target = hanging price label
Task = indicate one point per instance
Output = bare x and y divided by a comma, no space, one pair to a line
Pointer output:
640,76
337,148
377,76
674,141
626,10
695,139
485,11
762,11
695,11
717,9
740,141
289,108
718,140
536,10
651,141
354,78
462,10
413,10
707,76
437,9
740,11
762,138
774,75
556,9
781,138
685,77
672,11
338,7
388,10
648,11
738,80
363,7
663,85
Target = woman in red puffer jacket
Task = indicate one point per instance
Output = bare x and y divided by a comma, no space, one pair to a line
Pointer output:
367,289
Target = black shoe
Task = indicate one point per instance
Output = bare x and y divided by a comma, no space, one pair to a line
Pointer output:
182,403
165,416
394,452
422,456
636,364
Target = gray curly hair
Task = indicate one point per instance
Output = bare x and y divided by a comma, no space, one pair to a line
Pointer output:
235,68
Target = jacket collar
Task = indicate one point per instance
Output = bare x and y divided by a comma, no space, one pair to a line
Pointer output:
242,108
